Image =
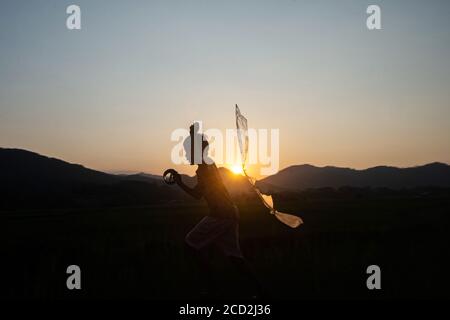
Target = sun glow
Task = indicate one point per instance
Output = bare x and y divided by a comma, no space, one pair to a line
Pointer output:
237,169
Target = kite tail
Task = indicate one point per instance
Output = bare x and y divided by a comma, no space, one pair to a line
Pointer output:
288,219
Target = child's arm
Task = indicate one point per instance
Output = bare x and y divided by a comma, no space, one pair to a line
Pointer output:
195,192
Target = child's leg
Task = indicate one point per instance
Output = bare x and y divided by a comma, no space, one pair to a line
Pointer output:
199,239
243,267
200,257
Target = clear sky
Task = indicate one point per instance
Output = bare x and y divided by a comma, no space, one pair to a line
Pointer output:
108,96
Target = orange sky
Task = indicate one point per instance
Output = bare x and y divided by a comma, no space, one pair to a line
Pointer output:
109,96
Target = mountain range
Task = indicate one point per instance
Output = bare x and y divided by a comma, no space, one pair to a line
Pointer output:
32,180
302,177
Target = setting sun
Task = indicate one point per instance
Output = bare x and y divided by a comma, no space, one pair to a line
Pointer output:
237,169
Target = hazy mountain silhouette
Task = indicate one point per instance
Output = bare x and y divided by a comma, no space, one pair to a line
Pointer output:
237,185
21,166
32,180
144,177
306,176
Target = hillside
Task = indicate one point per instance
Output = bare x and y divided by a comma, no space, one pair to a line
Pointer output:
31,180
303,177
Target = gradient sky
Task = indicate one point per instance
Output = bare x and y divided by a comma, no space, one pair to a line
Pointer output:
108,96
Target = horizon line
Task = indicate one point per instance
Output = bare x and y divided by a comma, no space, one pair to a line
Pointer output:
133,172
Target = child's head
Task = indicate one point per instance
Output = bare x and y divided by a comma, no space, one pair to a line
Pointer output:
196,146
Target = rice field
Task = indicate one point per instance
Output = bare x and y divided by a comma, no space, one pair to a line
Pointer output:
138,252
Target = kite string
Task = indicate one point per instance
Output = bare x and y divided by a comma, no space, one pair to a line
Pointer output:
258,192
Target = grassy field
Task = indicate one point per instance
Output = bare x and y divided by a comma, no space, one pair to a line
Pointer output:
138,252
